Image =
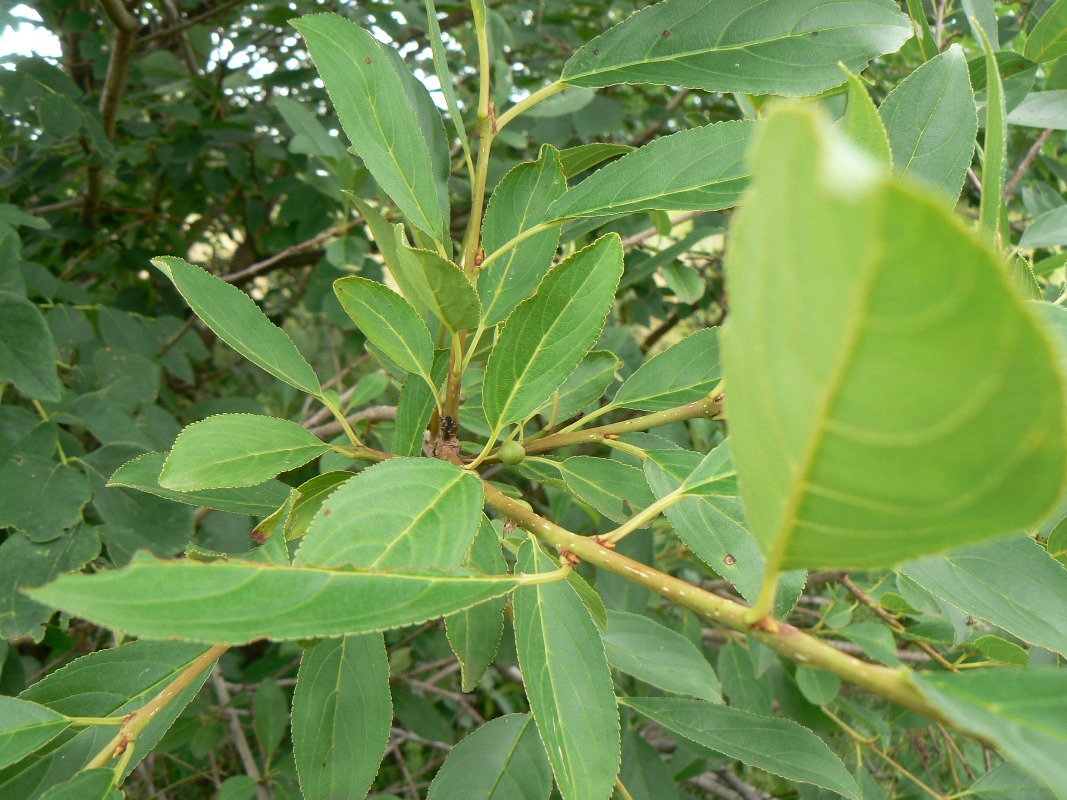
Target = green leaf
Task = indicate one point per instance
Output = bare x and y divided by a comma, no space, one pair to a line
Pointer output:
838,471
520,201
1041,110
92,784
239,322
997,649
576,160
817,686
311,137
655,654
106,683
932,121
143,474
735,46
683,373
1048,40
308,499
995,143
25,564
568,683
440,285
546,337
342,713
389,322
713,526
27,354
863,125
50,494
985,13
410,513
26,726
1007,782
502,760
230,450
1048,230
377,115
415,407
271,716
1014,583
585,386
779,746
444,78
702,168
1022,712
236,602
613,488
474,634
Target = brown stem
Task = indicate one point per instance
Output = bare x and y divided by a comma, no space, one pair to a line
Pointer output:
892,684
1024,165
240,741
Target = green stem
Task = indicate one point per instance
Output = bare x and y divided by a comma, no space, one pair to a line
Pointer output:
340,417
529,102
95,721
709,407
892,684
645,515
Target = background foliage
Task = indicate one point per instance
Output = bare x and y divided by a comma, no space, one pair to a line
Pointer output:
213,139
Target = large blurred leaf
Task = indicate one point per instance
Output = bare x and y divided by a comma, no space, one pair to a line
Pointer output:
27,354
568,683
238,321
502,760
372,103
1022,712
845,300
342,713
740,46
931,120
1013,583
235,601
231,450
777,745
409,513
547,336
703,168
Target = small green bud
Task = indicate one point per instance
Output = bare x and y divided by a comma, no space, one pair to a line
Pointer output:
512,453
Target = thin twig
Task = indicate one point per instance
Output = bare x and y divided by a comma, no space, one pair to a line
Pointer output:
637,238
267,263
1024,165
240,741
181,26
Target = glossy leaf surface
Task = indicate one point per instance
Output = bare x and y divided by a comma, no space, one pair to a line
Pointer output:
502,760
361,76
568,684
703,168
738,46
342,713
402,513
547,336
238,321
279,602
232,450
777,745
932,121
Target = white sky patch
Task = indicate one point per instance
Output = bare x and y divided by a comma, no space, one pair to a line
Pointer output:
27,39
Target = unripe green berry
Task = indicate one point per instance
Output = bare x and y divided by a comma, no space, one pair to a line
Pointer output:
512,453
